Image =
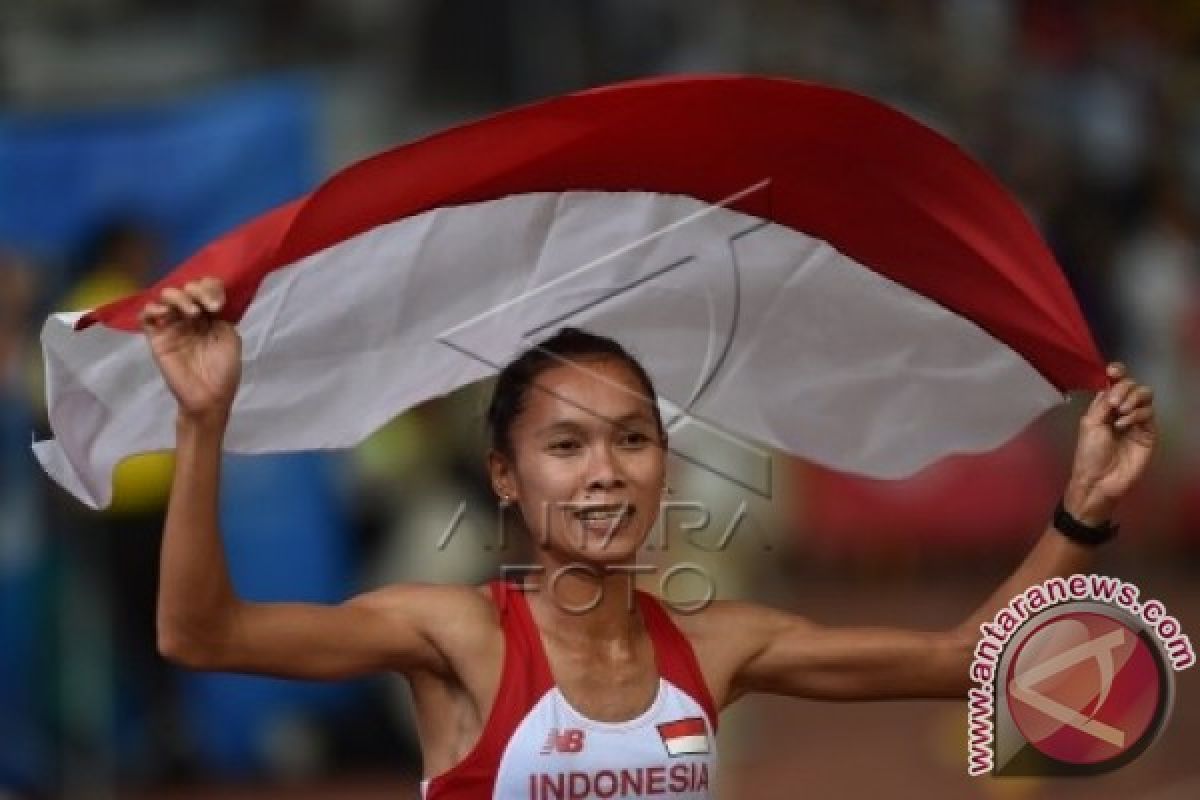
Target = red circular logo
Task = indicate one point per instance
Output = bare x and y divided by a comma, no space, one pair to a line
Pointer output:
1085,688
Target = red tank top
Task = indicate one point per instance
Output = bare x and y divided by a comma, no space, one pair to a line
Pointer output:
536,746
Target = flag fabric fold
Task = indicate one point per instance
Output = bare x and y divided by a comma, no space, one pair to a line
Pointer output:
798,265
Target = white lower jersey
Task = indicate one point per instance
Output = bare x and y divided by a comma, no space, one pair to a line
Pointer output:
535,746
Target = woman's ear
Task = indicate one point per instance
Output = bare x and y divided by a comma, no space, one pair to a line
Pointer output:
500,474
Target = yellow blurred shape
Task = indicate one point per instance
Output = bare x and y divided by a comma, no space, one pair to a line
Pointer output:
949,740
142,483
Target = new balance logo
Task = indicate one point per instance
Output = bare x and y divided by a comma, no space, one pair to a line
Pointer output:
568,740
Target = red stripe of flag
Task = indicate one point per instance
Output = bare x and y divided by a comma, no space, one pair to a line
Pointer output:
882,189
693,726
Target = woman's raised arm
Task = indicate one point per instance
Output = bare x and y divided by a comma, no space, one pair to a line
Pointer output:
784,654
202,623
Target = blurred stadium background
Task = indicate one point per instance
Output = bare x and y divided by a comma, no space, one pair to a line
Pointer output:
131,132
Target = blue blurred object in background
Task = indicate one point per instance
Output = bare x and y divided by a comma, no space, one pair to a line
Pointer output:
25,757
191,168
285,527
187,169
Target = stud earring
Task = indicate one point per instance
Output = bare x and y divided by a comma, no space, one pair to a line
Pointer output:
505,501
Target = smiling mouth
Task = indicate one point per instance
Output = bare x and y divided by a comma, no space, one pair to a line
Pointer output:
606,511
603,518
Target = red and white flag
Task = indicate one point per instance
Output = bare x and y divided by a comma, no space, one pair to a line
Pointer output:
684,737
802,266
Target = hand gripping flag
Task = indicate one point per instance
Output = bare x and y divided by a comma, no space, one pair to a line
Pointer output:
798,265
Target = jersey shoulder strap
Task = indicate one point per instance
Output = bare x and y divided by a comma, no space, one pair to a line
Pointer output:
676,659
524,679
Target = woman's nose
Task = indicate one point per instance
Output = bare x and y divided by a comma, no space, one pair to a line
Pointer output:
603,470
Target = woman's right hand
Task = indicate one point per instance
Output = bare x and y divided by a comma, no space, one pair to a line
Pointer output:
199,354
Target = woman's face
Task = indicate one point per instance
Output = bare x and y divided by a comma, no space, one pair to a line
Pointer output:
588,476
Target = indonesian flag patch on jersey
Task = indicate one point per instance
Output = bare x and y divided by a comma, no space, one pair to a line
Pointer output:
801,266
684,737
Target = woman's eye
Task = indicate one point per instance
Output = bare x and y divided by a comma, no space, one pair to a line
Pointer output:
565,445
635,438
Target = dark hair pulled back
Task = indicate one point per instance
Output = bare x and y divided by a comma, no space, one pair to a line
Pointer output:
569,344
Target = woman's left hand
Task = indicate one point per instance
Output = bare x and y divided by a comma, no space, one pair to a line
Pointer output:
1117,434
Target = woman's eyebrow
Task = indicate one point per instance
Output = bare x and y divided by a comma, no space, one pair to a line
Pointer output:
633,416
559,425
575,425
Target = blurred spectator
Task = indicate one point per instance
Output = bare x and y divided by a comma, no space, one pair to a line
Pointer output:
25,757
1156,284
124,689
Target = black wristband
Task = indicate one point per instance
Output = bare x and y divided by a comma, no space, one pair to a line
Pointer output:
1076,531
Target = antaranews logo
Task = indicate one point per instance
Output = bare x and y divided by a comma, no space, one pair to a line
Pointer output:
1074,676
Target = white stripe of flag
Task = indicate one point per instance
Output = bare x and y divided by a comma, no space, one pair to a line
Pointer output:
684,737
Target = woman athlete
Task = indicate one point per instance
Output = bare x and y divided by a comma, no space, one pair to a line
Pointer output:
576,687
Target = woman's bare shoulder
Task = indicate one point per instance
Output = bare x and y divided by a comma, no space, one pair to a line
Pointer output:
723,635
445,610
460,597
725,623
